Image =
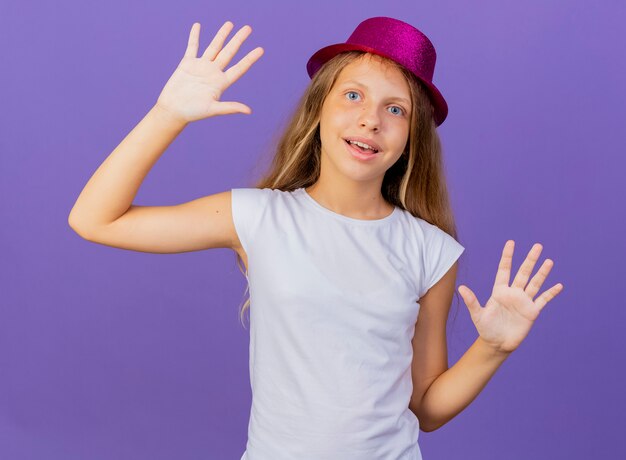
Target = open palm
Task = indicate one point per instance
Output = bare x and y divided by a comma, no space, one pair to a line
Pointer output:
194,90
508,315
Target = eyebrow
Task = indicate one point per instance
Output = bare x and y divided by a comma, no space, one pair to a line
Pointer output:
397,98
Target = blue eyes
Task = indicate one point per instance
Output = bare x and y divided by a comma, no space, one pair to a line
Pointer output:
401,112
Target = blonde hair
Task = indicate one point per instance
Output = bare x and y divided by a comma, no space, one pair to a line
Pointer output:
416,182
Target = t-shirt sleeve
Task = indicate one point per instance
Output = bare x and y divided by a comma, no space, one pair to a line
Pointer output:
247,205
440,253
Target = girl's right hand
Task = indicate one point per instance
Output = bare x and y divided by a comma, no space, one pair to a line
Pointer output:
193,91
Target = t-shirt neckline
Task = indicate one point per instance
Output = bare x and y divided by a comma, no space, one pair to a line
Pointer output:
311,201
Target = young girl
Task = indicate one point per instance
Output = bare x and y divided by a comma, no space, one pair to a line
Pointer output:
345,241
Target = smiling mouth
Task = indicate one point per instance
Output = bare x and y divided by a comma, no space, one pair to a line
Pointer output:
361,155
370,151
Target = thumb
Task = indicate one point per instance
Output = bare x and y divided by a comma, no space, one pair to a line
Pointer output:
234,107
470,300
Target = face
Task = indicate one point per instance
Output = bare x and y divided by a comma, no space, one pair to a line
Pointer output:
369,100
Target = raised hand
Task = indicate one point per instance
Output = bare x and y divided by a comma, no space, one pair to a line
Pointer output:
510,312
193,91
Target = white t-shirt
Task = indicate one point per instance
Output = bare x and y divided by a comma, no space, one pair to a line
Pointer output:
332,314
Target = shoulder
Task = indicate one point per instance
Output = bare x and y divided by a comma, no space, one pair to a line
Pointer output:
260,193
258,202
422,228
251,192
251,197
432,240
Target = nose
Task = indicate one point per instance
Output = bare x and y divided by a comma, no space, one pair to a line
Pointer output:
369,118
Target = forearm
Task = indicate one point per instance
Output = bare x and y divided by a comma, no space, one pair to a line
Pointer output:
111,190
458,386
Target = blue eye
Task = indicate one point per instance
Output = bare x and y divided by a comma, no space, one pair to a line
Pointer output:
395,106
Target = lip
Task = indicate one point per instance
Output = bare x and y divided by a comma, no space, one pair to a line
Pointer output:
365,140
356,153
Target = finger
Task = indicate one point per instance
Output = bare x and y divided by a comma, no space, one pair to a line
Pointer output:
227,107
192,43
526,269
506,261
218,41
227,53
537,281
470,300
236,71
548,295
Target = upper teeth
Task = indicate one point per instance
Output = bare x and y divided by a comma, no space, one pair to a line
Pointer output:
361,144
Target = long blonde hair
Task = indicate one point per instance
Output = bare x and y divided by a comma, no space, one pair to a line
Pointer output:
416,182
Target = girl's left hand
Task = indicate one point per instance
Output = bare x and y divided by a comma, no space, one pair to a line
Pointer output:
509,314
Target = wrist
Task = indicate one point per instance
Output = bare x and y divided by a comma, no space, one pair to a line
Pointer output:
493,350
169,117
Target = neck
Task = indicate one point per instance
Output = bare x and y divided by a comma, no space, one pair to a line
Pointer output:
351,199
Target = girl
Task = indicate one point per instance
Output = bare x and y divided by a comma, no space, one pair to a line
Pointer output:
347,238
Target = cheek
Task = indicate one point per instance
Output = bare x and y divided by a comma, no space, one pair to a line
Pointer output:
405,136
332,121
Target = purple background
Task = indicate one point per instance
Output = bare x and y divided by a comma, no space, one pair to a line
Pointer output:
113,354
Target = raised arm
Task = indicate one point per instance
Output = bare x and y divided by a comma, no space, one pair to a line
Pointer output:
104,212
